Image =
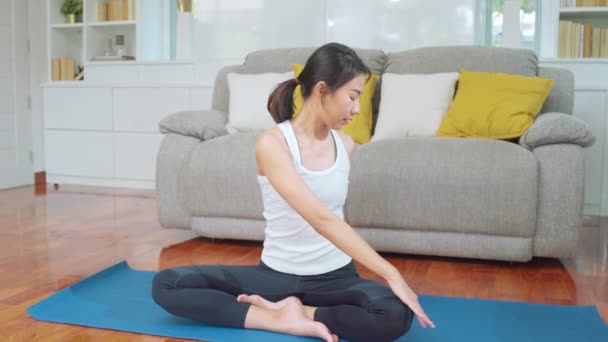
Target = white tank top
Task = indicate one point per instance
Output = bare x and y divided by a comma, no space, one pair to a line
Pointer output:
291,244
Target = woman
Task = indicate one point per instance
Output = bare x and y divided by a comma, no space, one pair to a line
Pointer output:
306,283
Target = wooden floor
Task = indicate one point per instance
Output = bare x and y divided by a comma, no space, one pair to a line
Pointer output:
50,239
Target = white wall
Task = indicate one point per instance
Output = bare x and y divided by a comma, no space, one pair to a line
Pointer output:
226,30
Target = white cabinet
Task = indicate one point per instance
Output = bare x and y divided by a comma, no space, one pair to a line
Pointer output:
589,104
107,135
140,109
78,108
135,155
75,153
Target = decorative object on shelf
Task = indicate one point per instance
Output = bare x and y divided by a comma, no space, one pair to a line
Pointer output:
72,10
108,48
183,32
80,75
116,53
184,6
119,45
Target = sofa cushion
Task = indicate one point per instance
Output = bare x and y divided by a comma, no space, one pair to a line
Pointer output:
413,104
201,124
450,184
218,178
280,60
249,95
494,105
431,60
557,128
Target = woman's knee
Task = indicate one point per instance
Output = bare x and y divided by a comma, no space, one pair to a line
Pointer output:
162,283
394,320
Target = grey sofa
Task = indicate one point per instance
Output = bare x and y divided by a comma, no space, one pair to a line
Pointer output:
460,197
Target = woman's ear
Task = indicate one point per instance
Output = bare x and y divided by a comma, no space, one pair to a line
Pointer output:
321,88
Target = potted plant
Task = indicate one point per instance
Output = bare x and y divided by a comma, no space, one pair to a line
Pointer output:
71,9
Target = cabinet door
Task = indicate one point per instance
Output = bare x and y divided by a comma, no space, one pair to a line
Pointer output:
135,156
141,109
590,106
200,98
73,153
78,108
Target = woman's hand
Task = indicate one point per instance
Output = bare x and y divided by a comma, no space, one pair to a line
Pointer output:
408,297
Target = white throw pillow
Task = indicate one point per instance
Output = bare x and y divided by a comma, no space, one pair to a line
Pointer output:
413,104
248,98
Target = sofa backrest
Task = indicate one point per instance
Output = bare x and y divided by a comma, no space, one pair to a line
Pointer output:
431,60
280,60
524,62
415,61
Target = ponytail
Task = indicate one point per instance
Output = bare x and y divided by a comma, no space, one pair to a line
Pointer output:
280,102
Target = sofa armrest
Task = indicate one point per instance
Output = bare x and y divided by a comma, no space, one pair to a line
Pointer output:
204,124
557,128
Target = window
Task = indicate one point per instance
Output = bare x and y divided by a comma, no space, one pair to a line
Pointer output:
529,23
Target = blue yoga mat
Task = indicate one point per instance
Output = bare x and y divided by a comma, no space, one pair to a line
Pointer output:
119,298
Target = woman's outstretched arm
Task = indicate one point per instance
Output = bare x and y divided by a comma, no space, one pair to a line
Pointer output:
274,160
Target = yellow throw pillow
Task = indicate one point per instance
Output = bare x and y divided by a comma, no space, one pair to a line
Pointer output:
494,105
360,127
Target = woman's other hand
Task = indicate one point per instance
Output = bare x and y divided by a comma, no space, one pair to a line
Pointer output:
408,297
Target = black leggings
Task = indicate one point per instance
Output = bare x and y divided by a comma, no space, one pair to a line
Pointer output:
351,307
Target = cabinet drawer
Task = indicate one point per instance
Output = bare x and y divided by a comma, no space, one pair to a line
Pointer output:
201,97
141,109
87,154
135,156
78,108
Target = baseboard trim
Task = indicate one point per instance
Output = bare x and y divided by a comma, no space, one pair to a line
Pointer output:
40,177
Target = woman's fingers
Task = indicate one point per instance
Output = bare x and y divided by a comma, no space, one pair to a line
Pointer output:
425,321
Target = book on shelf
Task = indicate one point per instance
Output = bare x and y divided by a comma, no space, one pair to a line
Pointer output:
56,69
112,58
63,69
116,10
577,40
582,3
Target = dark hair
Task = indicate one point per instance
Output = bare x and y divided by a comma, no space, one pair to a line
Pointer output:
333,63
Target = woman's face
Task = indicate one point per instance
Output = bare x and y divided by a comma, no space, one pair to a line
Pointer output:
343,104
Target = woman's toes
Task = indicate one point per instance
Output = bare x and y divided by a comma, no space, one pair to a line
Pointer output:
259,301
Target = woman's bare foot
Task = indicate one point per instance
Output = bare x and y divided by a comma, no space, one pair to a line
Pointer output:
288,315
261,301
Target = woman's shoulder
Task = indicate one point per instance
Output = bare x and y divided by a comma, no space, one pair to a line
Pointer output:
271,140
349,143
270,145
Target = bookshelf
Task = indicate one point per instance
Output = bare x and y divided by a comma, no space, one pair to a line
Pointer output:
103,24
582,30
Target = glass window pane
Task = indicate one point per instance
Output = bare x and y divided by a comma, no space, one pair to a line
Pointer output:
529,23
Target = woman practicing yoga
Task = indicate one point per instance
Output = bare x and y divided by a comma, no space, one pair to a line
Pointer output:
306,282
